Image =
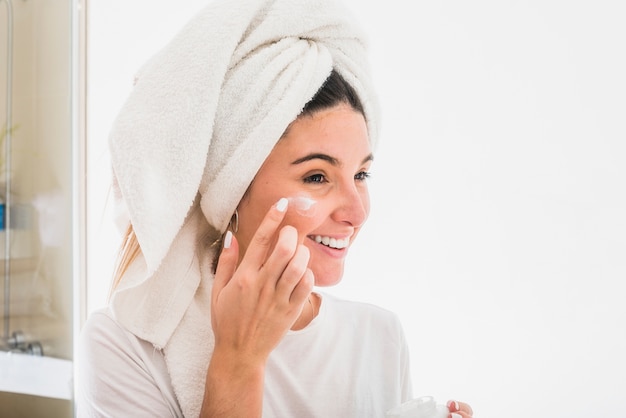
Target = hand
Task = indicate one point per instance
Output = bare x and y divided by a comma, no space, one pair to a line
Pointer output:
255,303
459,410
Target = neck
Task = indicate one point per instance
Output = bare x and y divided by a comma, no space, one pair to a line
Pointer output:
309,312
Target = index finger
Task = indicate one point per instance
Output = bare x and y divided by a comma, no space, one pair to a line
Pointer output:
456,406
264,236
464,407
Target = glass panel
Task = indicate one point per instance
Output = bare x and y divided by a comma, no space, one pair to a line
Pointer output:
36,207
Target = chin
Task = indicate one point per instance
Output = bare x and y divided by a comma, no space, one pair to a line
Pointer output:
327,278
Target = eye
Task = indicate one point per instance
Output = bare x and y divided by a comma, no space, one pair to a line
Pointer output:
362,176
315,178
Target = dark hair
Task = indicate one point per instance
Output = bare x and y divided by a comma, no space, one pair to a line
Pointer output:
334,91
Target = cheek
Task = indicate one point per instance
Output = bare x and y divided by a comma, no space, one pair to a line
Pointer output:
251,214
365,198
304,224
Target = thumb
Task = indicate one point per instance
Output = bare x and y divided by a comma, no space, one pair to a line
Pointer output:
226,264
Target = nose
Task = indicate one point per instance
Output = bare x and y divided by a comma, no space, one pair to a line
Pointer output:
353,206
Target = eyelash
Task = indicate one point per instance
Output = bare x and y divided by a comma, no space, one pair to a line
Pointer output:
363,175
318,178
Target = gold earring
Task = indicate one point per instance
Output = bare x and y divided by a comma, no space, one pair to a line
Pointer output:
234,222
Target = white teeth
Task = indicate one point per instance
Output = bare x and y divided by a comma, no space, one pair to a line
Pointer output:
332,242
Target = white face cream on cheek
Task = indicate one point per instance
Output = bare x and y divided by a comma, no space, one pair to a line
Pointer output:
303,205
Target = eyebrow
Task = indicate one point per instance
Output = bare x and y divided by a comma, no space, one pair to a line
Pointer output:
325,157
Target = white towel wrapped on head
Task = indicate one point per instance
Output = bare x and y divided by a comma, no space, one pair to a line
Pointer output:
204,114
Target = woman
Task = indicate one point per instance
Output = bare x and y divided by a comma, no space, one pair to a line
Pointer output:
256,107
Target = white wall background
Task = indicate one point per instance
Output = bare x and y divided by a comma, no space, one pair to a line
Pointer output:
498,230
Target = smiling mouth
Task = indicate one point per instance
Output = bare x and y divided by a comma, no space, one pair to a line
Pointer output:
335,243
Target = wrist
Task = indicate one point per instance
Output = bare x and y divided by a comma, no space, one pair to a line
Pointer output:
236,365
234,386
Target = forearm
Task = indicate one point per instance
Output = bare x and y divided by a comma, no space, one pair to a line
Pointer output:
234,387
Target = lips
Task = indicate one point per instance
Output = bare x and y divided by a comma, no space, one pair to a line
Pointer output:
337,243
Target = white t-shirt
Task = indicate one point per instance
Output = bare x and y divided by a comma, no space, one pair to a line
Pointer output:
350,361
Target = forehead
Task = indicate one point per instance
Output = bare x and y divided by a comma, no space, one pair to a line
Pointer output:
339,129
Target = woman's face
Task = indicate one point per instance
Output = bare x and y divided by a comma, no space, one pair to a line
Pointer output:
325,157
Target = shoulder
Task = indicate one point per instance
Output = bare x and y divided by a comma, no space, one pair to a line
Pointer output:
363,315
358,308
104,342
101,321
104,345
118,372
102,332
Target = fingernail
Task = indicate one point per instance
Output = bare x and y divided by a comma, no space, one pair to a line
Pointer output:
453,415
453,405
282,204
228,239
